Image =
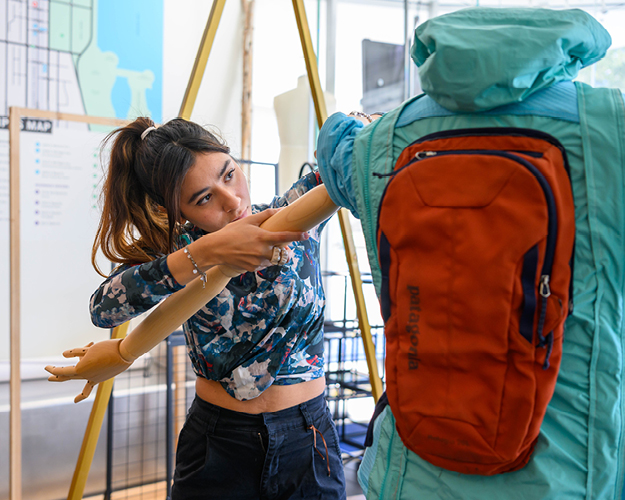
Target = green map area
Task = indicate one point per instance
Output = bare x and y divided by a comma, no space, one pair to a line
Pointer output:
99,57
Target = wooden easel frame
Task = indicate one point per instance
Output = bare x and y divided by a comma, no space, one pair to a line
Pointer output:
104,389
15,414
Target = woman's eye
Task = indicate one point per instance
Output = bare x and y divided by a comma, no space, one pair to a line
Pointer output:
204,199
230,174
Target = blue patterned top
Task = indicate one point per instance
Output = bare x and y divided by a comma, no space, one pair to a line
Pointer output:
264,328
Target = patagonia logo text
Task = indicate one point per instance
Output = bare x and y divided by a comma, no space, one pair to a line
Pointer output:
412,327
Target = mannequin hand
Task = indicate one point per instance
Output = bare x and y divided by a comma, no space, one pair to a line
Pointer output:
244,245
97,363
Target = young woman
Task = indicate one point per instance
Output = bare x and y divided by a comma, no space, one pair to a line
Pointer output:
176,204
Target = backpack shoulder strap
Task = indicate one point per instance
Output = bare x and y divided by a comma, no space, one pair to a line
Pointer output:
602,120
373,152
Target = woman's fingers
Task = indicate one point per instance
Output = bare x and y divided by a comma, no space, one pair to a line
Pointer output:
246,246
260,217
284,237
281,255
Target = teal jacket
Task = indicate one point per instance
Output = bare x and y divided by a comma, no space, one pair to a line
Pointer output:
513,68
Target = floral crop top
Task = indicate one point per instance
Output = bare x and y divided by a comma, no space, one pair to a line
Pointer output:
264,328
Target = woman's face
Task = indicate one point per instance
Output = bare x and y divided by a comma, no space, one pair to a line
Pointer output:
214,192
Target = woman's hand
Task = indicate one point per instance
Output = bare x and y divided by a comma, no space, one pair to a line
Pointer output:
244,244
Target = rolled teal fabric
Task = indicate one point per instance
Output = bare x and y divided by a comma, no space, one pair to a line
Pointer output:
463,68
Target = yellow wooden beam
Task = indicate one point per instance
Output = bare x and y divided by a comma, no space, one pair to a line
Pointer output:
70,117
15,414
92,433
361,308
311,61
348,240
199,66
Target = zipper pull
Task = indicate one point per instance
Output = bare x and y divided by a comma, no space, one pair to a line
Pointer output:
420,155
381,176
543,286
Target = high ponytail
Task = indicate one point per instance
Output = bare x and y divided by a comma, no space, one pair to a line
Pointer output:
141,190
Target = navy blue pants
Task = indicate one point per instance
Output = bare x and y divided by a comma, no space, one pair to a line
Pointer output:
223,454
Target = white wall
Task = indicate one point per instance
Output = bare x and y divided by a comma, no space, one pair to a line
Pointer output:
219,98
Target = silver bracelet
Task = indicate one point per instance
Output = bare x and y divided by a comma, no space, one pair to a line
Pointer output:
361,114
196,269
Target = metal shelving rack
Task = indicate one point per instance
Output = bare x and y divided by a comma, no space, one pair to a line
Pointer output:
347,376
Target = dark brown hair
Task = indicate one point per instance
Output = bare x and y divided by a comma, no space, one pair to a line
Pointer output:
141,191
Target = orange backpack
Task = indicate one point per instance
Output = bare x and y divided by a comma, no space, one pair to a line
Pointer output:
475,235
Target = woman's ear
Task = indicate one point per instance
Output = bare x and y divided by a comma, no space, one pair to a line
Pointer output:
182,219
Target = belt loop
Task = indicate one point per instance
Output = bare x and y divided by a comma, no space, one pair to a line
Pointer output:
213,418
303,407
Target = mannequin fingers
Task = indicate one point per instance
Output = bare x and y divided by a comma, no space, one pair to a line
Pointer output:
284,257
61,373
85,392
78,351
280,256
58,378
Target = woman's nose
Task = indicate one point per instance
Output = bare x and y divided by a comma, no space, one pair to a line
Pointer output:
230,200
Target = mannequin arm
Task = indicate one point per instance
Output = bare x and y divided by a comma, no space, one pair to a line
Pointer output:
106,359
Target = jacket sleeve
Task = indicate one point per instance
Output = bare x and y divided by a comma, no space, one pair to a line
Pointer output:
130,291
334,154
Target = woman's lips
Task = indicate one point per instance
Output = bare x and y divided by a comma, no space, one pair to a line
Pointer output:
242,216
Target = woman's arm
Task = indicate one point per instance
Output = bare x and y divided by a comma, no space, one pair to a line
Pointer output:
130,291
